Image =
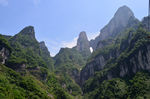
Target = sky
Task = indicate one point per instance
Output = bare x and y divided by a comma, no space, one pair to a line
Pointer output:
59,22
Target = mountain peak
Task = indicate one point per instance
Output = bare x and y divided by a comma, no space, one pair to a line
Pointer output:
29,30
125,8
82,41
42,44
125,12
83,35
83,45
123,19
118,23
44,49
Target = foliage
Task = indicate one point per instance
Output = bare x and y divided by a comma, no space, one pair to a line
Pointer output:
4,42
68,63
13,85
138,86
69,56
56,88
110,89
35,83
135,88
14,61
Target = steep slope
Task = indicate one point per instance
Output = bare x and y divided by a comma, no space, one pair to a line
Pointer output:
133,57
68,63
13,85
27,48
123,19
5,50
137,87
108,46
17,84
83,45
70,56
46,55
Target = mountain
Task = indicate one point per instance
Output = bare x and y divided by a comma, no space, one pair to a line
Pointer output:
123,19
46,55
26,47
44,49
68,63
127,62
5,50
69,56
108,39
29,30
25,69
145,23
83,45
119,68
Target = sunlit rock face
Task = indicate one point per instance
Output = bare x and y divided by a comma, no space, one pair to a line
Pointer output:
127,60
122,19
83,45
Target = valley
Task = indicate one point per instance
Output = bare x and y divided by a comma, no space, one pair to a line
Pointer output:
118,67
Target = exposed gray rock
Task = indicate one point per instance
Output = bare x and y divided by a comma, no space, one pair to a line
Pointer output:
44,49
117,23
83,45
123,18
146,23
99,61
29,30
137,61
46,55
4,53
20,67
96,64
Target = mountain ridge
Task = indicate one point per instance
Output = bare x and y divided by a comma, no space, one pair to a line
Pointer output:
118,68
116,25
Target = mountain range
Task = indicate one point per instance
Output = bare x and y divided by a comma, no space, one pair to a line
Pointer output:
118,67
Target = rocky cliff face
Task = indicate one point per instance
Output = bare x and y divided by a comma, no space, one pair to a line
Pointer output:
5,49
97,63
26,39
26,47
131,56
4,53
137,61
121,20
136,58
107,42
46,56
83,45
44,49
146,23
29,30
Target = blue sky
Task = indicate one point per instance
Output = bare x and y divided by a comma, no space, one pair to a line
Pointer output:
59,22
